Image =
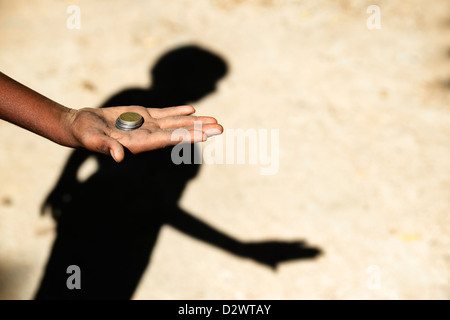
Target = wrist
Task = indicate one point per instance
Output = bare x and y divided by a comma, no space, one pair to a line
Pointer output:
63,134
67,118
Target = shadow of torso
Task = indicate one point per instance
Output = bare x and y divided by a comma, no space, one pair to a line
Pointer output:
108,224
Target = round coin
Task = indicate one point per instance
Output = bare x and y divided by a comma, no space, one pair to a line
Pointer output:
129,121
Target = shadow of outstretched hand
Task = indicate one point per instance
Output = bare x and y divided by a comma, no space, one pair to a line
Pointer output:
271,253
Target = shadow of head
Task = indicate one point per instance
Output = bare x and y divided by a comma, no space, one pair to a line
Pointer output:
180,76
188,72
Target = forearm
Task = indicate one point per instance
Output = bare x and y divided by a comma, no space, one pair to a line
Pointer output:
32,111
93,128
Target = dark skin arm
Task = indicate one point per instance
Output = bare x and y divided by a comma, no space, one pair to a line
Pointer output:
94,129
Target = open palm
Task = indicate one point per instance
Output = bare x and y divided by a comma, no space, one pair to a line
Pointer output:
95,129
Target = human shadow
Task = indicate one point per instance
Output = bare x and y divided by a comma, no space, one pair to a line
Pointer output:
108,224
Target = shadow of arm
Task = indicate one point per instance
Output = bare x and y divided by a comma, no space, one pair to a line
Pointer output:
268,253
200,230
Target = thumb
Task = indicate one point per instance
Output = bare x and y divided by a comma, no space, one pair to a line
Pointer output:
114,148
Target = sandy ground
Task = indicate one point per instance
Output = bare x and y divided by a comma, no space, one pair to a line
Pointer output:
364,140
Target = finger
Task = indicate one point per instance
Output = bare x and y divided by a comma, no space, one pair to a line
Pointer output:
171,111
165,138
192,134
184,121
210,129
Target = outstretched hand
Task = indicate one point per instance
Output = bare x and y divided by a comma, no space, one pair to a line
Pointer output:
95,130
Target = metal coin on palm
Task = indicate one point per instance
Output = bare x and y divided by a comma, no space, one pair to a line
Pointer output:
129,121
